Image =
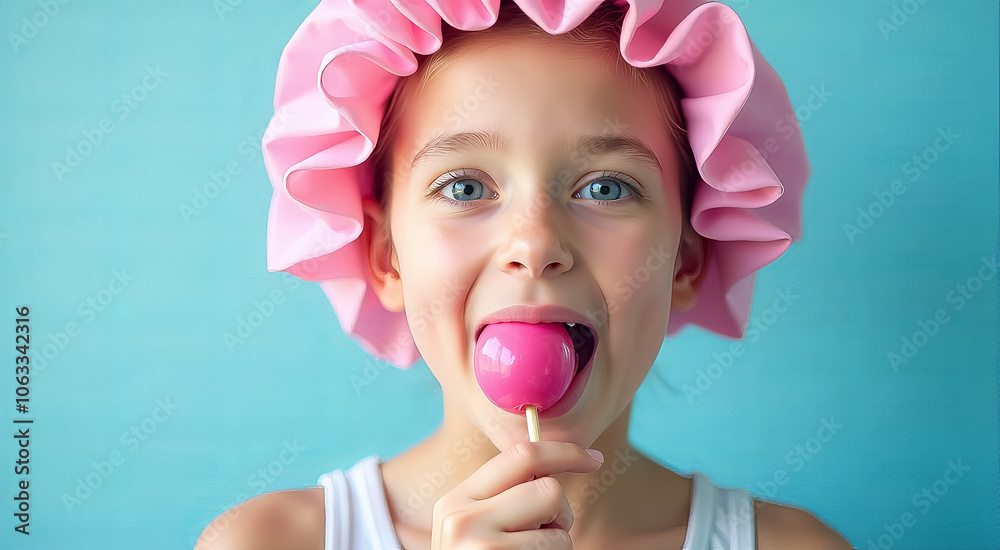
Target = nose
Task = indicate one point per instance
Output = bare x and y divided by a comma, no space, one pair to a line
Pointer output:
533,244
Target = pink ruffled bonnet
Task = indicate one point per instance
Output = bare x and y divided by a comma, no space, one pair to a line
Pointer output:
339,69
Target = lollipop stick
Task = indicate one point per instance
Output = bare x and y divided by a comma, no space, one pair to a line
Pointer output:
534,430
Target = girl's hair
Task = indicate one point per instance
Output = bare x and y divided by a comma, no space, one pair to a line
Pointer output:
599,33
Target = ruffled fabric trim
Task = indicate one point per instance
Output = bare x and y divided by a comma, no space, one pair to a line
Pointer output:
339,69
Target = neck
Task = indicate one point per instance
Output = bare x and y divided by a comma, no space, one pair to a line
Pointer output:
618,497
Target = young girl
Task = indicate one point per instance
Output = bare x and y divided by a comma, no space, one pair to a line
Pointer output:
621,168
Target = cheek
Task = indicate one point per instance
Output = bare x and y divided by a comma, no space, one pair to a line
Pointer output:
639,300
639,267
436,274
436,255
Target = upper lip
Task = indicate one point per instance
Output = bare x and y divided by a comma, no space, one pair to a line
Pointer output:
535,314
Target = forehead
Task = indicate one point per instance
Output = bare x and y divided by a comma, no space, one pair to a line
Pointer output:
539,92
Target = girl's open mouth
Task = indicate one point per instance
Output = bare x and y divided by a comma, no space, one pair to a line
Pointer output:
583,343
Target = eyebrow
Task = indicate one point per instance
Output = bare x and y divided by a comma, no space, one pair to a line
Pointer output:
449,144
615,143
490,140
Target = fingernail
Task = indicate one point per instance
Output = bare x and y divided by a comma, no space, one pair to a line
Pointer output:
596,455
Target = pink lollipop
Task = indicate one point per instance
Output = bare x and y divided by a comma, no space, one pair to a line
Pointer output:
525,367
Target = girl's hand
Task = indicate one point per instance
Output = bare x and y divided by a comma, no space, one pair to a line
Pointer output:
510,502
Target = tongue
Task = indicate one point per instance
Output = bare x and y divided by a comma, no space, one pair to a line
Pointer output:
519,364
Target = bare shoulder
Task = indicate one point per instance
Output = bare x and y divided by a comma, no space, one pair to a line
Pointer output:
293,520
783,527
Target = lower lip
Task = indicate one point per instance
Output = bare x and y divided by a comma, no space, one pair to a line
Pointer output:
573,393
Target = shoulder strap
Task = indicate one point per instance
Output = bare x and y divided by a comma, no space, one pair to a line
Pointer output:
721,519
357,515
338,510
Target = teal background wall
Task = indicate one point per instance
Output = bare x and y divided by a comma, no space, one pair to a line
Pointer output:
147,424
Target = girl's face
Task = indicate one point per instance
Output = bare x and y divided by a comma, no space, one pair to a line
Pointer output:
561,188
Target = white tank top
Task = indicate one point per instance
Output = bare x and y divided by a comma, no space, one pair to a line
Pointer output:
357,514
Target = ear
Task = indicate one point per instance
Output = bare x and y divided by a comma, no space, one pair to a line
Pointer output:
383,265
689,268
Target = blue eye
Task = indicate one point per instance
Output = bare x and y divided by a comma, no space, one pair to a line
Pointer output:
605,189
464,189
461,187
